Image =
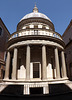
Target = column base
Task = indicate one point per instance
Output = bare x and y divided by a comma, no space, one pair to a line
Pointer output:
5,79
44,79
65,78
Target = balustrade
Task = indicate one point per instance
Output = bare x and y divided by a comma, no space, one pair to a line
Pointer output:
35,32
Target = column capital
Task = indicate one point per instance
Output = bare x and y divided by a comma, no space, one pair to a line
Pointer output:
55,47
28,44
43,44
16,47
62,51
7,50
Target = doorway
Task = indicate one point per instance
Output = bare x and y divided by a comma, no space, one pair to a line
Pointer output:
36,70
36,90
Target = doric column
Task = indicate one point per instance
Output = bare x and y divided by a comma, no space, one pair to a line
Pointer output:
57,63
63,64
44,73
14,69
7,66
28,62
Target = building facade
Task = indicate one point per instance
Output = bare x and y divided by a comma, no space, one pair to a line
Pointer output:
67,37
35,56
4,34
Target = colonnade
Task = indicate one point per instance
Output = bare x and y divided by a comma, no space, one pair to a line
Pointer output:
44,72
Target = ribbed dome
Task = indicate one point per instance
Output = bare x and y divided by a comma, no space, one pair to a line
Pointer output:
36,14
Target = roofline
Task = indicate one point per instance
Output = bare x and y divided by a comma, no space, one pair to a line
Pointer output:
67,28
5,26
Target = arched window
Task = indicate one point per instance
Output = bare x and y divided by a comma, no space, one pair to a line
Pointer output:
0,30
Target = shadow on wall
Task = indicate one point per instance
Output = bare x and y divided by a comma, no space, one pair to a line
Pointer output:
59,88
56,91
13,90
66,96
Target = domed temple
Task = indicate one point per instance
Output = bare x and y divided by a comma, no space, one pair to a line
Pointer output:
35,57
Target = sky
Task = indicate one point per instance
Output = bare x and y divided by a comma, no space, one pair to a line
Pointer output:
59,12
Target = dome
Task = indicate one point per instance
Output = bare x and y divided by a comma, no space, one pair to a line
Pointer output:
36,14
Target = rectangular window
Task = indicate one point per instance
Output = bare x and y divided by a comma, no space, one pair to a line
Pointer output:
36,70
